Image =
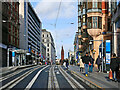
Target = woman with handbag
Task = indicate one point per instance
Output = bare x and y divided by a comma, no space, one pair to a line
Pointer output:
113,66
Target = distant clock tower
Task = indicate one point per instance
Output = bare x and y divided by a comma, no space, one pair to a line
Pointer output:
62,55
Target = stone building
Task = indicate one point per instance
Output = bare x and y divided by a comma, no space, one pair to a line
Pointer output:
94,25
48,41
116,31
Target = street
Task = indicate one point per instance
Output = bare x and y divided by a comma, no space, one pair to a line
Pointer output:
44,77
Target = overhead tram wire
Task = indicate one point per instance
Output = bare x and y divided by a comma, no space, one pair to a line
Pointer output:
58,13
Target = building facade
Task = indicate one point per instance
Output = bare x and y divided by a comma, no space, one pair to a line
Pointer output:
30,31
48,41
116,31
10,31
43,52
94,25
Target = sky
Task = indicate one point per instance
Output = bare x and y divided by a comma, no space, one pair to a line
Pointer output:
64,32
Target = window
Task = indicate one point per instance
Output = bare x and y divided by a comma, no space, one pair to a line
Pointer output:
48,49
48,54
43,35
43,40
99,5
94,5
89,5
47,35
47,40
47,58
100,22
94,22
83,19
48,45
89,22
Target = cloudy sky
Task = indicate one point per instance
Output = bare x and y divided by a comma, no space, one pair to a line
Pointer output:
64,31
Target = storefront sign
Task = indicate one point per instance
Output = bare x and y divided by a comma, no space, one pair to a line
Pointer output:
108,50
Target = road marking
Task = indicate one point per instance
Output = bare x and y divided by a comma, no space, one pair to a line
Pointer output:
18,78
49,79
34,79
15,73
24,76
55,80
57,72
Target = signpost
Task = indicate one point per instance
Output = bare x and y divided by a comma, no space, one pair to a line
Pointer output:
13,58
108,50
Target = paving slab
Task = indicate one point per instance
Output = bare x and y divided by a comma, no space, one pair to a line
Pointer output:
99,78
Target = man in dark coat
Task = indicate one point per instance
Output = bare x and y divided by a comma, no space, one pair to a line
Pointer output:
91,64
86,61
118,69
113,66
98,62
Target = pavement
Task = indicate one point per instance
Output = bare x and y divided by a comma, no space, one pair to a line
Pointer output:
100,79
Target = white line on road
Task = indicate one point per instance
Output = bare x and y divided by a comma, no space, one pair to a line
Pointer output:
55,80
34,79
16,79
49,79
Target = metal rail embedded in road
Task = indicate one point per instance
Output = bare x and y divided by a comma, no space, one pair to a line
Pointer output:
52,83
18,79
75,85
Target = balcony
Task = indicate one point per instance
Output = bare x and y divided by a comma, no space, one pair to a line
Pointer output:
94,10
94,32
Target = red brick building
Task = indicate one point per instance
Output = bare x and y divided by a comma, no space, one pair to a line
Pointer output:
10,30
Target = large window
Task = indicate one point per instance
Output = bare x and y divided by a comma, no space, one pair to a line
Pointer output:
94,22
89,22
100,22
83,19
94,5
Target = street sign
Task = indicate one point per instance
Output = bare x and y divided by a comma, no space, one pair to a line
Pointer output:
108,50
13,54
107,58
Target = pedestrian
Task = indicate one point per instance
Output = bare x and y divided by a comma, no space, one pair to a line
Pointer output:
86,61
118,69
67,63
113,66
98,62
81,65
91,64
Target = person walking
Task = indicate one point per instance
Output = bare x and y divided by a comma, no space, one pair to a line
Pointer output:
113,66
81,65
86,61
98,62
91,64
67,63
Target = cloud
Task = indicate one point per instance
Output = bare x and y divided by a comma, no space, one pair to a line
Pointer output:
49,10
